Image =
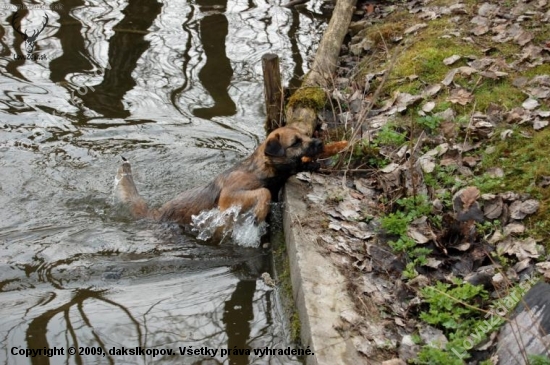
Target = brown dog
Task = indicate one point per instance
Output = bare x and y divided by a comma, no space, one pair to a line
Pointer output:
251,184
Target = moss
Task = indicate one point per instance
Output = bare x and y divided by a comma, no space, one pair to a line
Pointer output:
381,34
540,31
425,56
525,162
543,69
500,92
282,268
308,97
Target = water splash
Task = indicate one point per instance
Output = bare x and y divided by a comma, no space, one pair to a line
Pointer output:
231,223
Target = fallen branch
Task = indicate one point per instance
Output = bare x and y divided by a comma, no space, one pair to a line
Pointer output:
310,97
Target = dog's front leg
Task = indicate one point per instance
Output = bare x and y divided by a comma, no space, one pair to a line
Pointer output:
256,200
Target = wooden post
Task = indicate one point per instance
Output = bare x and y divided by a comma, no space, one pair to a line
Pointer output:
273,91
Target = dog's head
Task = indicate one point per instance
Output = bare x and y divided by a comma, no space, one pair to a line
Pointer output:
286,146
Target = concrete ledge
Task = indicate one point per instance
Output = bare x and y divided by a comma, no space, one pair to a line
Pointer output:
318,287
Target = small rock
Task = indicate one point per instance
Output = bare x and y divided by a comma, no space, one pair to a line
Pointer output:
532,313
433,336
408,350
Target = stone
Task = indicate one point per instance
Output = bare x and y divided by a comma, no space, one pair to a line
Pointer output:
528,331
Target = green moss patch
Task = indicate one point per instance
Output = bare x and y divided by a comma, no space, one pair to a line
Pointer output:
525,161
308,97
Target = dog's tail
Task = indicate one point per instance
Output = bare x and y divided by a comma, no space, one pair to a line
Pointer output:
126,191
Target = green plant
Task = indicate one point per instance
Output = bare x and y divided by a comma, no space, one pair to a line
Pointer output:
410,271
415,206
367,151
403,244
388,135
430,355
396,223
429,122
486,228
539,360
453,307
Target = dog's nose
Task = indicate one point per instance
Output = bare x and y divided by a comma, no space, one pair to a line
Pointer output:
317,143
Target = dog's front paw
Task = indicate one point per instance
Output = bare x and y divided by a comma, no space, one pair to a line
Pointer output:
311,166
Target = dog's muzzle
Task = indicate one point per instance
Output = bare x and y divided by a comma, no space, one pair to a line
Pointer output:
315,147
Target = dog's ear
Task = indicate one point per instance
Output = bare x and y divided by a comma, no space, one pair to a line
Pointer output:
273,147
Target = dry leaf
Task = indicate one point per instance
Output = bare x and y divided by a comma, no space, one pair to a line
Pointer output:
428,107
522,265
514,228
417,236
523,38
404,100
431,90
492,209
427,163
544,269
539,92
519,209
530,104
460,96
450,60
415,28
481,63
540,124
449,77
507,133
433,263
463,246
495,172
530,206
469,161
521,249
390,168
467,70
469,196
487,10
515,210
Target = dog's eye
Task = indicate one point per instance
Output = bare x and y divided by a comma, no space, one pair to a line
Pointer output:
297,142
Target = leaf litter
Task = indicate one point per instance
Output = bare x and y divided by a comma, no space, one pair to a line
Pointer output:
473,230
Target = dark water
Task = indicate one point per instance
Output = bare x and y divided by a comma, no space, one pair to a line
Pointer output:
175,87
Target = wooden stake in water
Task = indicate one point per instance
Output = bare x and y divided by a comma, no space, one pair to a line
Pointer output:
273,91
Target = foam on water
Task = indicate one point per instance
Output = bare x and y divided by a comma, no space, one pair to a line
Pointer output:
231,223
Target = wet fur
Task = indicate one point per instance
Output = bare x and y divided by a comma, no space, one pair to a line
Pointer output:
251,184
